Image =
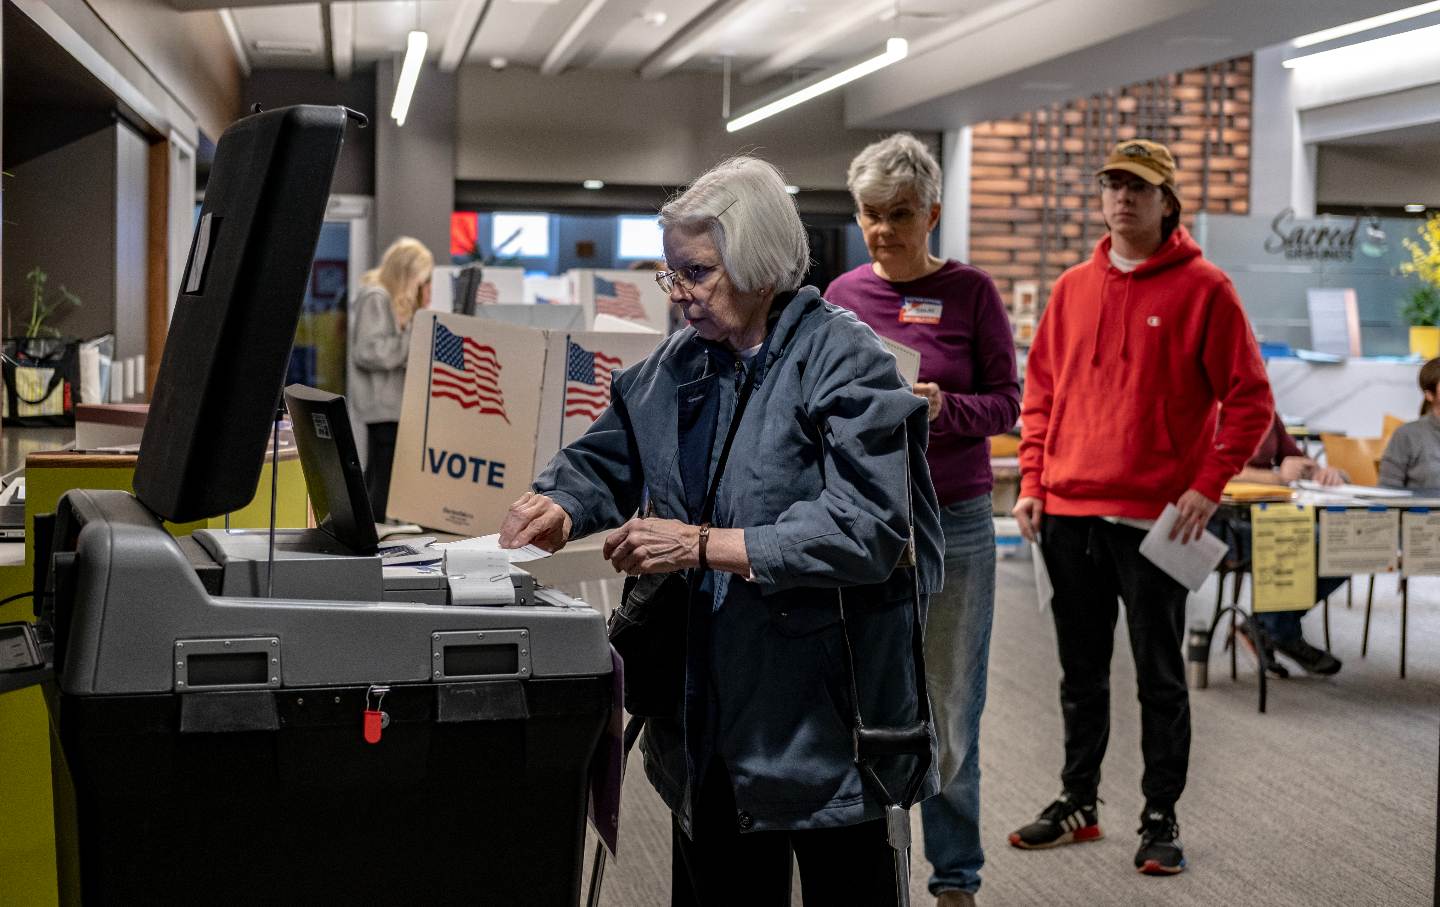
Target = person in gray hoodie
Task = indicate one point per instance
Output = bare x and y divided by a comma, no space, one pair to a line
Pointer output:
380,320
814,508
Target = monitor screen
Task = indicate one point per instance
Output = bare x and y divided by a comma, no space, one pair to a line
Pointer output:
331,462
229,343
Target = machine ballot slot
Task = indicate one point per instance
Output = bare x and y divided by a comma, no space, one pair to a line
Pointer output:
480,654
250,663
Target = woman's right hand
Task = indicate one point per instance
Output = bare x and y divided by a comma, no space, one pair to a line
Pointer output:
1028,513
535,520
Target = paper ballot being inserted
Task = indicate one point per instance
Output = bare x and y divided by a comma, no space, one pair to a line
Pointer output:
1188,564
491,543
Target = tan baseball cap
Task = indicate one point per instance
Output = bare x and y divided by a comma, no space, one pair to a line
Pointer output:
1151,161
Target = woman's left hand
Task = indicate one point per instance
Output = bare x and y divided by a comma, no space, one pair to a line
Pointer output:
931,392
653,546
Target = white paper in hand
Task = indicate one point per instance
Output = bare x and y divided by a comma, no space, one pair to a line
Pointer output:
1188,564
491,542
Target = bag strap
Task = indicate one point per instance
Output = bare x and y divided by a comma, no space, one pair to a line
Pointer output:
895,741
56,377
707,510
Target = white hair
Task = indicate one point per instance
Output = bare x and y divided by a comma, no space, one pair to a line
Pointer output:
752,221
887,168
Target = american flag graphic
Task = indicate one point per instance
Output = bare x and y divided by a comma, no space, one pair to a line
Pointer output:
486,293
618,298
466,371
587,381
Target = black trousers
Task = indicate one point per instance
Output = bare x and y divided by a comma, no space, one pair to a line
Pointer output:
722,866
1092,562
380,446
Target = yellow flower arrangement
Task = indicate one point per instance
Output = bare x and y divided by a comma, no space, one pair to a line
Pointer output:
1423,306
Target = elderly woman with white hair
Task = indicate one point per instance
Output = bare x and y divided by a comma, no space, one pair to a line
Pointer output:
800,577
952,314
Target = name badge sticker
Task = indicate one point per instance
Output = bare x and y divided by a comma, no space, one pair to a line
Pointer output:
917,310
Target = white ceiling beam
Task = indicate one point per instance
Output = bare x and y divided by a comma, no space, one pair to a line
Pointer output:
461,33
690,39
806,45
569,44
232,31
342,37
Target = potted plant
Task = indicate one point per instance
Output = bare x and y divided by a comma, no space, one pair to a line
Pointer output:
1422,306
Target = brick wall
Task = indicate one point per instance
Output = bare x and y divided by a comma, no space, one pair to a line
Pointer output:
1035,207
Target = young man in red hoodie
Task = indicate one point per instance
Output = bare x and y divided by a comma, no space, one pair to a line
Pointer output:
1144,387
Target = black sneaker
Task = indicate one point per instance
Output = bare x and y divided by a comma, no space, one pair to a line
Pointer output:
1242,630
1160,853
1066,821
1313,660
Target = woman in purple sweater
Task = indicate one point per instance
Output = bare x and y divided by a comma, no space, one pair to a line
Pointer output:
952,314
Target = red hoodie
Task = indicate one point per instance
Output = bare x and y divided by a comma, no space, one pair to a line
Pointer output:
1123,382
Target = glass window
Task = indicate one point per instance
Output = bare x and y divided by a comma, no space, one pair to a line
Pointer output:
640,237
520,235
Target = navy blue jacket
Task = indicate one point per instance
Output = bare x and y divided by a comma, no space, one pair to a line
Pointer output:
816,478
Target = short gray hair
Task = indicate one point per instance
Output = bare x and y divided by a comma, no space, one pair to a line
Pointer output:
885,169
752,221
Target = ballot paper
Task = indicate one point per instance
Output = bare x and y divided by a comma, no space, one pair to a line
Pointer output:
907,359
1358,541
1190,563
491,542
1420,540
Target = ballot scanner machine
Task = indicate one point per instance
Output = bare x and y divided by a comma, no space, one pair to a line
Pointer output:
235,725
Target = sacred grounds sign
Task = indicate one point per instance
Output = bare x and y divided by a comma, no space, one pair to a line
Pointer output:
1324,239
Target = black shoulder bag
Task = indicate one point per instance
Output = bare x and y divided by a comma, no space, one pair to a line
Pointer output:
649,627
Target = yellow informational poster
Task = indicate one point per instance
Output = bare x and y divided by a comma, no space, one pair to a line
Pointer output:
1283,556
1420,540
1359,541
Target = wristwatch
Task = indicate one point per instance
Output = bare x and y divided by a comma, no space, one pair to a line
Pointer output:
704,537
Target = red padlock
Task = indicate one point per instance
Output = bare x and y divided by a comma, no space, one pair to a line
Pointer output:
374,718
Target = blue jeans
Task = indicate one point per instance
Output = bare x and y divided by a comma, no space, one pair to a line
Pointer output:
957,653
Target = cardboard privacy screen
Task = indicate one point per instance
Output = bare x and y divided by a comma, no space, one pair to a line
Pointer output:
628,295
486,405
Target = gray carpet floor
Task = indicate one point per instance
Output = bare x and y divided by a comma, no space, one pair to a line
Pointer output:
1328,799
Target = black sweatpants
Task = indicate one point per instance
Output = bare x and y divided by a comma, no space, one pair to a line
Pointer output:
1092,562
721,866
380,447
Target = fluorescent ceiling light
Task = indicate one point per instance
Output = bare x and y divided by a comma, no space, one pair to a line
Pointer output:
1414,209
409,74
895,51
1359,25
1419,43
594,184
793,190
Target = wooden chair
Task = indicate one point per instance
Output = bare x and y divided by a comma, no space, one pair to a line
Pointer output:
1356,456
1387,428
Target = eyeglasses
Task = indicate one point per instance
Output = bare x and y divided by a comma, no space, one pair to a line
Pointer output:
686,278
1115,183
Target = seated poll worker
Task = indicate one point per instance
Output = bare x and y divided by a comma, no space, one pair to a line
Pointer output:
1412,458
1280,461
756,764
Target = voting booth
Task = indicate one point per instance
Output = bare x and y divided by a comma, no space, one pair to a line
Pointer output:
631,296
278,716
486,405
